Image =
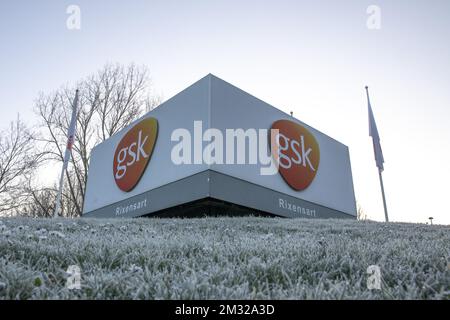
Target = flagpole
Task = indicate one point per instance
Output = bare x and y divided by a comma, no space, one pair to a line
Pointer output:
384,197
70,140
379,165
58,198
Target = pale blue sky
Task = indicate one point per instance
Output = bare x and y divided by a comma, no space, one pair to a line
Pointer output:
312,57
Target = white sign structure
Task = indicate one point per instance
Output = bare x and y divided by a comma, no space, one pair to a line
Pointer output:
215,149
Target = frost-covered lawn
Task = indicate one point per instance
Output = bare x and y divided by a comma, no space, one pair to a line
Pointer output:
222,258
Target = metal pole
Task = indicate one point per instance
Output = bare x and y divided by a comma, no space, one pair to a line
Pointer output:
384,197
61,181
70,140
58,198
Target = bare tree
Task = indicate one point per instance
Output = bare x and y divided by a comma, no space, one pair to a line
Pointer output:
18,157
360,213
40,201
109,100
152,102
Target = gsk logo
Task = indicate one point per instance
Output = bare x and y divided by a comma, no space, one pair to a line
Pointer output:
297,153
133,153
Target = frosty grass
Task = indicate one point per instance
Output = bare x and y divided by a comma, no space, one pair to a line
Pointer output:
222,258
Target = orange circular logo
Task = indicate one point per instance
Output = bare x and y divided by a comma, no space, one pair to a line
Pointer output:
133,153
296,152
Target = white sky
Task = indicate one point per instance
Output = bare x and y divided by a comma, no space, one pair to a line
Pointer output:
311,57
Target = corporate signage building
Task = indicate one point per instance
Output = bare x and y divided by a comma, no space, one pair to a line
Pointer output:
214,149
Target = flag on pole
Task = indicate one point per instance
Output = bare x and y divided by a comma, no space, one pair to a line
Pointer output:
373,132
69,145
72,127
